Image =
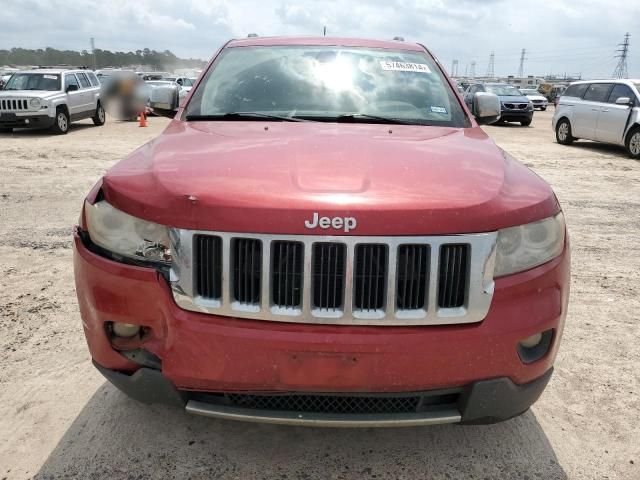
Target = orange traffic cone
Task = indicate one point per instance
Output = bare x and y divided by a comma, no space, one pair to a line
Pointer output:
143,120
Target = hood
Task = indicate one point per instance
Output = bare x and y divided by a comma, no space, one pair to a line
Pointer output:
513,98
269,177
43,94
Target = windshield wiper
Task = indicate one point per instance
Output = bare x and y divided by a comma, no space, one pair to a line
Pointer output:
362,117
243,116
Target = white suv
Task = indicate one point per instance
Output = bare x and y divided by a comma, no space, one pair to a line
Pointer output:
601,110
50,98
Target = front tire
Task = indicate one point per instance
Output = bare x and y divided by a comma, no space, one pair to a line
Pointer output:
563,132
633,143
542,109
100,116
525,123
61,124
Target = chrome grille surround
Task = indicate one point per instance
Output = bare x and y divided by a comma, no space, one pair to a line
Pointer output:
477,300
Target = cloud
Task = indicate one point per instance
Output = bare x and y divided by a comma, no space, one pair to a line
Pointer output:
559,35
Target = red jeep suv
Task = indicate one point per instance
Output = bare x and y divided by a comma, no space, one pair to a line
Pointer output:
323,235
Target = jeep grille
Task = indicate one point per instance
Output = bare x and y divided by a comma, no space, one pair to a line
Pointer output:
13,104
335,279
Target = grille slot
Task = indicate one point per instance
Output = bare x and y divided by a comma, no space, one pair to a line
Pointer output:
328,275
247,270
14,104
208,266
369,277
412,273
286,273
327,403
452,283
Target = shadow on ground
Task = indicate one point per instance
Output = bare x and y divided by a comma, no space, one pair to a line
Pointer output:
116,437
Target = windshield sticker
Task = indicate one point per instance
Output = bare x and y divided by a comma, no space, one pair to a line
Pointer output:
50,77
404,67
438,110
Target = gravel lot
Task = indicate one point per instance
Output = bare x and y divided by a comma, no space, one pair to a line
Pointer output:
59,418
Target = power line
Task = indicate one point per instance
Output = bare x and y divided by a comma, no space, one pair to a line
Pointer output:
622,53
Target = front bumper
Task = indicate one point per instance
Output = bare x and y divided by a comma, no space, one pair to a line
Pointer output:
11,120
485,401
516,115
208,353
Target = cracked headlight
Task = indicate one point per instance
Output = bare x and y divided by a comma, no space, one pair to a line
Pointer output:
527,246
125,235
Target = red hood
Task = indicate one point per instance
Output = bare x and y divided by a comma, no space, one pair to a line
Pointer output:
269,177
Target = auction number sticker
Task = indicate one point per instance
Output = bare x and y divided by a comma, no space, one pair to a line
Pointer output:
404,67
50,77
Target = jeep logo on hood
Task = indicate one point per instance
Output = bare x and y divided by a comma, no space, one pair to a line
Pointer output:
339,223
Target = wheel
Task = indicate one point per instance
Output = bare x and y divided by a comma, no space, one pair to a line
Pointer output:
542,109
525,123
100,117
563,132
633,143
61,125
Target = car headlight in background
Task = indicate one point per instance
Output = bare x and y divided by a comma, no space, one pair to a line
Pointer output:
527,246
125,235
34,103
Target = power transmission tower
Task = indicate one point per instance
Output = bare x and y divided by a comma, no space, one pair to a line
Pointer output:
472,71
622,54
454,68
93,52
522,58
490,68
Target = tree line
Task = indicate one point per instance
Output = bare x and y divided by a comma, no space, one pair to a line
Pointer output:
103,58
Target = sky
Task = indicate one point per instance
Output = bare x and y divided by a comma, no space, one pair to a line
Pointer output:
560,36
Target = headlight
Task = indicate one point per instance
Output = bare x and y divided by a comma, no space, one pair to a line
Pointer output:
125,235
527,246
34,103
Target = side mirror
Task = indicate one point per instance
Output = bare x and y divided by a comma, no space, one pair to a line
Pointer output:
72,88
623,101
486,108
164,100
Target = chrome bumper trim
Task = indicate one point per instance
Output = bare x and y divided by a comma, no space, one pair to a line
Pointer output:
324,420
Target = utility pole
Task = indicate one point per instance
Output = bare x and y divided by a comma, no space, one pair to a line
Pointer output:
93,52
490,68
324,31
522,58
472,71
454,68
622,53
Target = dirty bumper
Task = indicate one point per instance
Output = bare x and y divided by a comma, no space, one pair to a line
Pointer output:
485,401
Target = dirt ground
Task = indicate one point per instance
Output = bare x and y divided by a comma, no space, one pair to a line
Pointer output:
60,419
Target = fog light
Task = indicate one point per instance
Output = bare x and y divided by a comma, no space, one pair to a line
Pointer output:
125,329
531,341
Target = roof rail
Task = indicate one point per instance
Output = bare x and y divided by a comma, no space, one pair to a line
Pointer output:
252,35
399,39
63,66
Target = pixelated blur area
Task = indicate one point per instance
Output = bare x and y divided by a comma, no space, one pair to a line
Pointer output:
124,96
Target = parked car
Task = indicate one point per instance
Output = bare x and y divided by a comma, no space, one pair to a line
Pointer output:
324,235
50,98
604,110
152,84
516,107
184,82
538,100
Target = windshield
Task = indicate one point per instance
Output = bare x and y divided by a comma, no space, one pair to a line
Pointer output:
530,92
327,83
34,81
504,90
